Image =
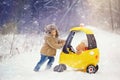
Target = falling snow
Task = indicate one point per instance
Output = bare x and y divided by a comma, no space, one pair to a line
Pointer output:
22,25
65,13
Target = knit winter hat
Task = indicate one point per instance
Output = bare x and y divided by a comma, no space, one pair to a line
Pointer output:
51,27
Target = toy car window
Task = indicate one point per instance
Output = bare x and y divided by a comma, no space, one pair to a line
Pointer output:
78,38
91,41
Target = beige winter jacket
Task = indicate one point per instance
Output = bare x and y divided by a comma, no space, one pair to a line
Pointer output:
50,45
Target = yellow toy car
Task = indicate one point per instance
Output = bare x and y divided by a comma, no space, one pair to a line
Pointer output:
87,61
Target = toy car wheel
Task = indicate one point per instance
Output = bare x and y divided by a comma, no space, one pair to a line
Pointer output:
56,68
97,67
59,68
64,66
91,69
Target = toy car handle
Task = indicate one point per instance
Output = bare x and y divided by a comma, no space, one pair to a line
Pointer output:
71,49
68,42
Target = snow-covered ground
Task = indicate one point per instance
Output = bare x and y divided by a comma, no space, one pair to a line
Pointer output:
20,66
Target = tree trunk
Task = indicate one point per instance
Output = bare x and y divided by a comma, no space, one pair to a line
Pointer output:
111,15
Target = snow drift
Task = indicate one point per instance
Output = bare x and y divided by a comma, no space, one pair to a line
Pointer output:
20,66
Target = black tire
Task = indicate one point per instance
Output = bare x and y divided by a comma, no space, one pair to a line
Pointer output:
97,67
60,68
56,68
91,69
64,66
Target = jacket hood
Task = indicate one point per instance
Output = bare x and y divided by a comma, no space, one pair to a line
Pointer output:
51,27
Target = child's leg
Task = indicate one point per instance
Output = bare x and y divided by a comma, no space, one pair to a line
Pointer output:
42,60
50,62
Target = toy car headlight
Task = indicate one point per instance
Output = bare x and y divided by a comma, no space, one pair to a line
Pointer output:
91,53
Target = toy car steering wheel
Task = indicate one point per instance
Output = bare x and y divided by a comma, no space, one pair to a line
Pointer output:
71,49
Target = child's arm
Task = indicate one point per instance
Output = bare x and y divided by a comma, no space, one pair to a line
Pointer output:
51,42
61,41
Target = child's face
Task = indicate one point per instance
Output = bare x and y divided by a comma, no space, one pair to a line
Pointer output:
53,32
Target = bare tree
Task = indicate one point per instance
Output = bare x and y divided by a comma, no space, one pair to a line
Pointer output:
18,10
111,15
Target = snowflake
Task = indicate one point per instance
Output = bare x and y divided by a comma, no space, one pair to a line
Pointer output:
83,16
26,7
54,19
36,2
4,2
36,22
63,1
